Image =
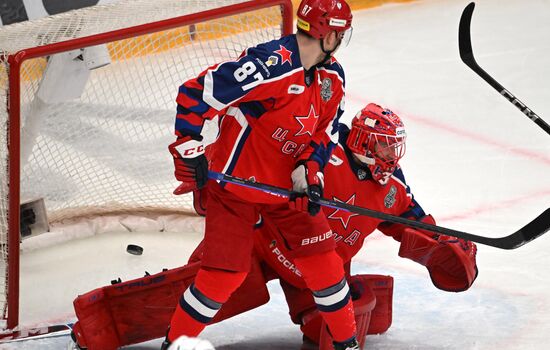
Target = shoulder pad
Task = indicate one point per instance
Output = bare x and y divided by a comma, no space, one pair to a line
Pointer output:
277,57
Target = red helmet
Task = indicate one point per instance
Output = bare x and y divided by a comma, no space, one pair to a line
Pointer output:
377,139
320,17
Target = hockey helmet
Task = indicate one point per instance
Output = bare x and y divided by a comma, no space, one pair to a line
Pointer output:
377,138
320,17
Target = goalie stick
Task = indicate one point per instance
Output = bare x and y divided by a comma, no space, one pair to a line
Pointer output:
36,333
467,56
539,226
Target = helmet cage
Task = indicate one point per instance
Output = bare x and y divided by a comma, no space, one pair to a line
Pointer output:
378,141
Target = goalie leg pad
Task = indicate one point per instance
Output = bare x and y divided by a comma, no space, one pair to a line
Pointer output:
382,287
140,310
130,312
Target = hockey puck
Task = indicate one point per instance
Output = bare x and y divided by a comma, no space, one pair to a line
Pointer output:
134,249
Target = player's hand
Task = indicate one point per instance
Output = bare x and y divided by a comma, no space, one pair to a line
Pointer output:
190,164
307,183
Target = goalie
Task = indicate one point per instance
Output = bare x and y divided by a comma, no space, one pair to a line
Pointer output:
363,171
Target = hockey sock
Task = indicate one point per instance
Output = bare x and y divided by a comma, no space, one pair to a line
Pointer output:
202,300
330,292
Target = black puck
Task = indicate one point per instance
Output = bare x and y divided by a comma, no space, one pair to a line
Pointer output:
134,249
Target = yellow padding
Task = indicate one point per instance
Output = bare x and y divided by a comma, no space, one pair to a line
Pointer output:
166,40
360,4
162,41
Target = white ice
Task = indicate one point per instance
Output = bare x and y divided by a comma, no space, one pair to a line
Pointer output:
473,160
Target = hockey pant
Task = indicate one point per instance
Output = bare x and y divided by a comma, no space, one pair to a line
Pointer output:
140,310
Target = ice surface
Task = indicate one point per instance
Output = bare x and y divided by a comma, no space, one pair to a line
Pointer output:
473,161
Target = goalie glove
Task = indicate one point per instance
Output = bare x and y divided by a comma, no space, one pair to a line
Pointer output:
307,183
450,261
190,163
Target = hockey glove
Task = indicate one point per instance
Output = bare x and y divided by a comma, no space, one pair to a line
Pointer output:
190,163
307,183
450,261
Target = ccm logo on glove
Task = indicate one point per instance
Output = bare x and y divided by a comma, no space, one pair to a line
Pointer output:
189,149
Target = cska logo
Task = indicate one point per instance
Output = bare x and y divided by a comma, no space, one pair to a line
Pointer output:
343,215
285,55
308,123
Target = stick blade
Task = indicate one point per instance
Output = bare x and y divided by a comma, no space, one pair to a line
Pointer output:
464,36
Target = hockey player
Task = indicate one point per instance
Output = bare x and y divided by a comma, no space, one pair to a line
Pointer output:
363,170
278,107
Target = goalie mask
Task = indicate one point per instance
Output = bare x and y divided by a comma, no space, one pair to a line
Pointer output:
377,139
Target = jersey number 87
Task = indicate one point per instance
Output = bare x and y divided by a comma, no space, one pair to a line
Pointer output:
243,72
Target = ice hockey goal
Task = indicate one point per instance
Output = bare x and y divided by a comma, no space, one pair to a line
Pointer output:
88,106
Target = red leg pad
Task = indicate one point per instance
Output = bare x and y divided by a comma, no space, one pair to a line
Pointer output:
382,287
130,312
139,310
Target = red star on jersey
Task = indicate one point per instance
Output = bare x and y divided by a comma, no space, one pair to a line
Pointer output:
343,215
308,123
285,55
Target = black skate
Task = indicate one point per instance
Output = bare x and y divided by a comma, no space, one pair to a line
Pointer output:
166,343
350,345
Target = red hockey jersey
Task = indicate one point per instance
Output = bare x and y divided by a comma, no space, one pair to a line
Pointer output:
271,113
347,182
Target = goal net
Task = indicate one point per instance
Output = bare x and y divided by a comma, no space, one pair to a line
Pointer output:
87,107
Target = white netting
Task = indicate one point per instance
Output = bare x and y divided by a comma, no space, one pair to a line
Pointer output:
106,150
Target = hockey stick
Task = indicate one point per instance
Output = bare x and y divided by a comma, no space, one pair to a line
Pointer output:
37,333
467,56
529,232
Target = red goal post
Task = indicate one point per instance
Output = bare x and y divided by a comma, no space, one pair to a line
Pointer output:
87,100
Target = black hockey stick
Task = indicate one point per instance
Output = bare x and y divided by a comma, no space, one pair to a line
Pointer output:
529,232
467,55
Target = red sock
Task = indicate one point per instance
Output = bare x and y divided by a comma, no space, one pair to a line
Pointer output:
341,323
183,324
324,275
202,300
